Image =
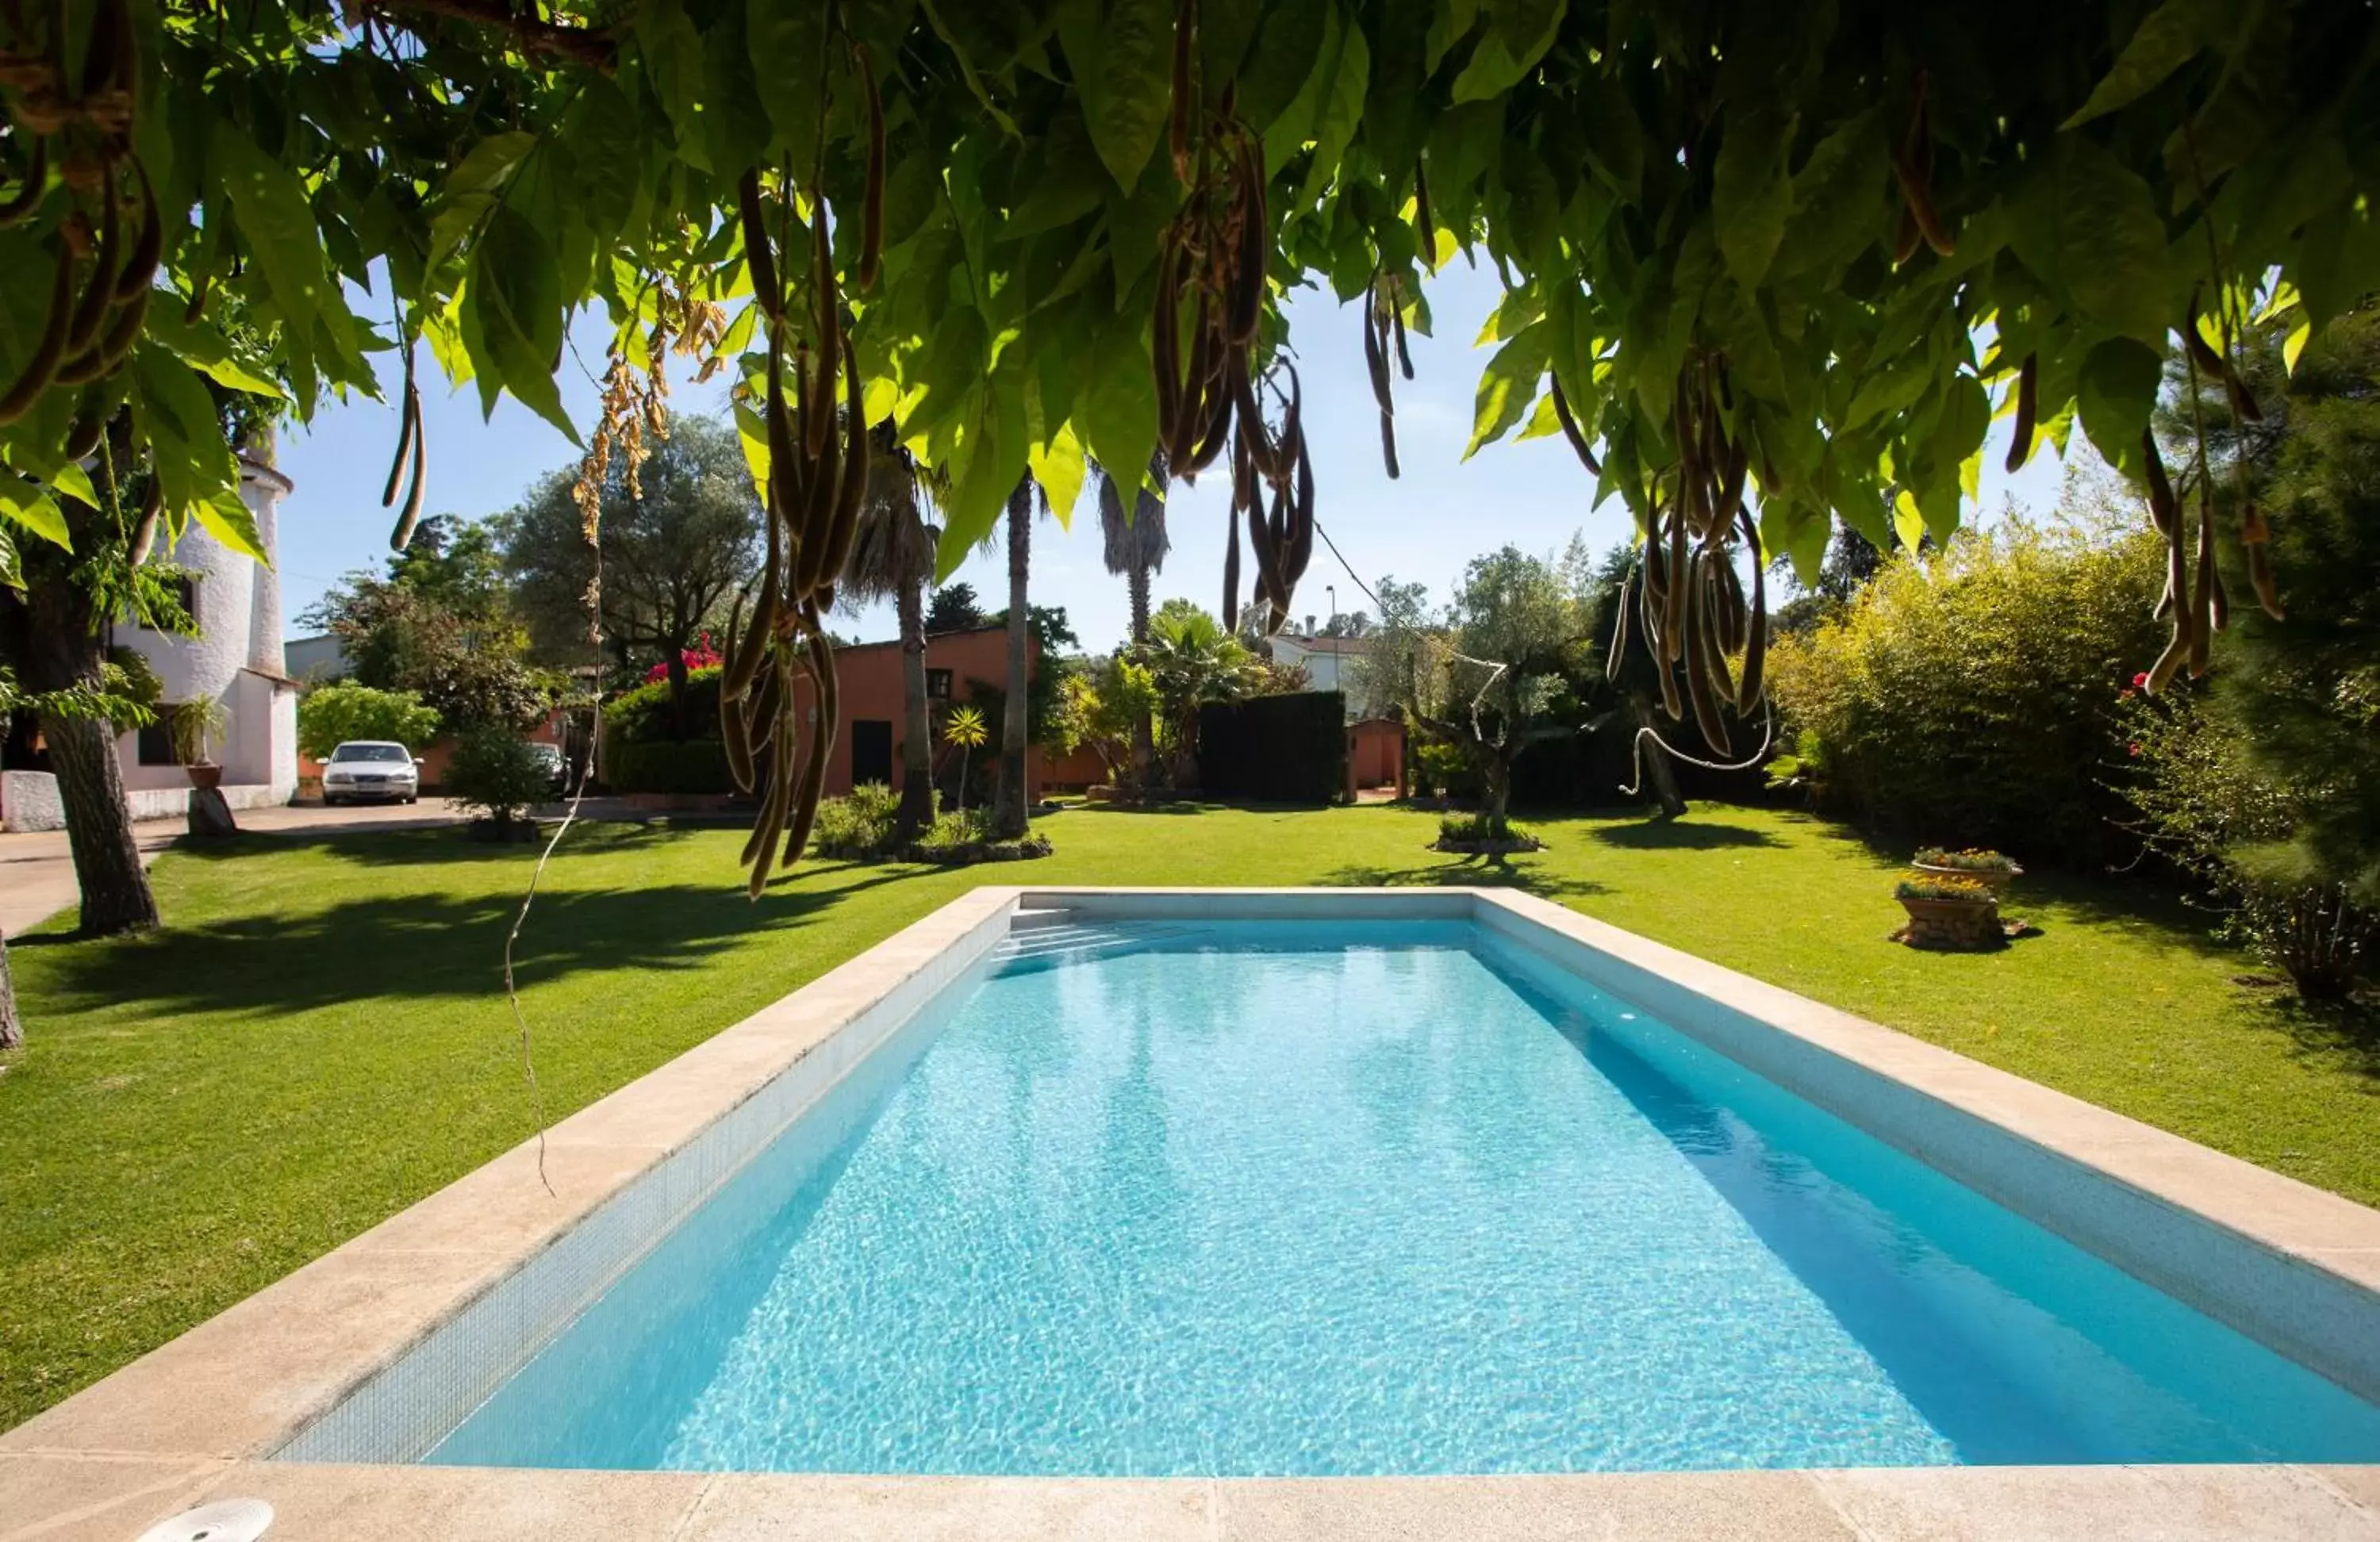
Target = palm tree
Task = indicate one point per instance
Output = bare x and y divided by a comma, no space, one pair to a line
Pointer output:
1008,815
1136,548
964,728
892,557
1194,661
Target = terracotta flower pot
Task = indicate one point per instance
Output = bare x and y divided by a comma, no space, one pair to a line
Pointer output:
204,773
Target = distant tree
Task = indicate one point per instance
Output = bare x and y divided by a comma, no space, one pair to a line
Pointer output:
1136,548
1348,624
1010,816
892,557
498,772
329,715
675,549
955,608
1482,685
1192,661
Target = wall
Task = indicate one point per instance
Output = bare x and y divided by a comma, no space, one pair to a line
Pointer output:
870,678
1375,752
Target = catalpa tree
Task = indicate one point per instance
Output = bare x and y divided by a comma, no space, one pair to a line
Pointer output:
1765,264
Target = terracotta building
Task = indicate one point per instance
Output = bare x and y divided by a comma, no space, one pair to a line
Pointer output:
867,747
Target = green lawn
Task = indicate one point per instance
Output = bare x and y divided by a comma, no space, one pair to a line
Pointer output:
317,1040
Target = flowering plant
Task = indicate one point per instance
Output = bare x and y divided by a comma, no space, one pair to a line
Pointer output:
700,656
1926,886
1971,861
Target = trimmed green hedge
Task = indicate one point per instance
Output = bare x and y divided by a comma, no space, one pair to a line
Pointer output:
694,766
1275,749
642,715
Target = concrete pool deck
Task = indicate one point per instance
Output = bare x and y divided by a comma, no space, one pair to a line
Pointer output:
199,1417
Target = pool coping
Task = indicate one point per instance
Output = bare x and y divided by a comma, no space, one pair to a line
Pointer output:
196,1417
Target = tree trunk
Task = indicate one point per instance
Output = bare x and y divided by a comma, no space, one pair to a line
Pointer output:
1008,816
116,896
1496,778
1656,760
1144,730
917,724
12,1027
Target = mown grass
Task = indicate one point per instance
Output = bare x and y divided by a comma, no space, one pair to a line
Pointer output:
318,1038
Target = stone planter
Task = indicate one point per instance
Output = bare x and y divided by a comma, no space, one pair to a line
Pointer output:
1953,925
1995,878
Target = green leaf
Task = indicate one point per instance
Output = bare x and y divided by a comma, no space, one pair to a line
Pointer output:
268,201
735,123
226,517
1288,132
471,190
1507,385
193,465
26,505
205,349
1342,109
1059,467
1519,32
2111,245
788,41
1116,412
2120,378
1449,24
1121,55
992,458
1752,197
2167,39
521,315
671,53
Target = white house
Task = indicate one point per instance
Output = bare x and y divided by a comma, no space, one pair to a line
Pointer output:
1325,660
235,658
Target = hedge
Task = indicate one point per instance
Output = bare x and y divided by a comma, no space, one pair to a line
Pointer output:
694,766
642,715
1275,749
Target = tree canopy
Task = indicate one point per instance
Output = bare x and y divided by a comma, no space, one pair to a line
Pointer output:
1765,264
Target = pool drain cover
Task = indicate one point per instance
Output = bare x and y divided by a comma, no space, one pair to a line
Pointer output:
223,1521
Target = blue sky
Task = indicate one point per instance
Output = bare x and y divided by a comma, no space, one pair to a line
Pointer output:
1425,526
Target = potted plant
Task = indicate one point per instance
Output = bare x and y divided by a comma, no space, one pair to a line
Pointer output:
1957,911
1988,868
193,728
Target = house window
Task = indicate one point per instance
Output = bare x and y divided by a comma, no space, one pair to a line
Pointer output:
185,590
156,747
937,685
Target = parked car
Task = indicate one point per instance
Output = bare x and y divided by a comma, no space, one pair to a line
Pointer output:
372,770
557,770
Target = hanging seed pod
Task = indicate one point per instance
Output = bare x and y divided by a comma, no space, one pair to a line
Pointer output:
1700,689
140,270
1165,341
1755,641
871,218
42,365
2201,598
1248,282
2028,406
201,290
1397,320
2163,509
82,439
758,257
823,728
1619,648
856,449
1185,27
100,292
27,197
1570,430
416,486
144,533
408,425
1714,644
1422,220
2260,578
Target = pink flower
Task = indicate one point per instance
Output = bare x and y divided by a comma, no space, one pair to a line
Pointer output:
2133,750
2141,681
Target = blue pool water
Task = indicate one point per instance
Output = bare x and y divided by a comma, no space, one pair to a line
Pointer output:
1292,1198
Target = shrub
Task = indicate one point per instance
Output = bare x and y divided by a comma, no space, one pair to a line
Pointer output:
642,715
1479,827
497,771
1930,886
1969,691
1971,861
955,829
329,715
1444,769
2208,805
691,768
859,824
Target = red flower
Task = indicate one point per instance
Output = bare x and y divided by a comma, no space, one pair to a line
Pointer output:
2133,750
2141,681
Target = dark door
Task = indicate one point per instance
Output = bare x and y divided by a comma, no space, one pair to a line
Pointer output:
871,751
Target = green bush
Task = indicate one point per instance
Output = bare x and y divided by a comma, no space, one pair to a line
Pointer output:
329,715
859,823
497,771
1966,695
1481,825
954,829
642,715
696,766
1444,769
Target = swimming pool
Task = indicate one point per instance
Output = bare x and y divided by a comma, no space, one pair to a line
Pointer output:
1202,1195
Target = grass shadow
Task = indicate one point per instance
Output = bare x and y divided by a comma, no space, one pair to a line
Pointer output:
1685,834
1468,872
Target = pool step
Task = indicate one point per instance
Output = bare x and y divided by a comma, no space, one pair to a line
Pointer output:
1058,940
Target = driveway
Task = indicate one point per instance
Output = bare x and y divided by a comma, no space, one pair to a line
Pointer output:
37,877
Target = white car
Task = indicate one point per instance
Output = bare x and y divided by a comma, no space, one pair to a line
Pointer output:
363,770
